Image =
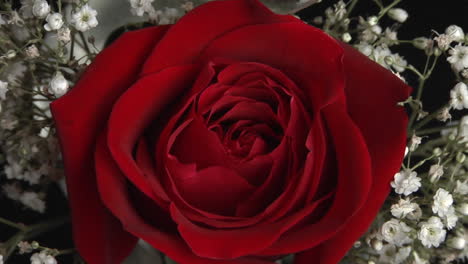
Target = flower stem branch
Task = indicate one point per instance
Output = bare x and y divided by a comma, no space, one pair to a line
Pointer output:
12,224
386,9
29,232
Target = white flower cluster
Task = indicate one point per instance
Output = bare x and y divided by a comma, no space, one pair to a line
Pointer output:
43,258
31,200
84,18
161,16
406,182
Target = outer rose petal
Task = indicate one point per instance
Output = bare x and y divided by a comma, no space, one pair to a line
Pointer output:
79,116
372,94
205,24
114,192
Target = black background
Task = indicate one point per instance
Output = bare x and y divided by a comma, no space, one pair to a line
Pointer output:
424,17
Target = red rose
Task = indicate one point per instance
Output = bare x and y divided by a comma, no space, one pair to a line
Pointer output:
234,136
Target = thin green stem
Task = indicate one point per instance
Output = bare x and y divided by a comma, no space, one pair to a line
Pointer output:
85,43
66,251
386,9
12,224
434,130
352,5
32,231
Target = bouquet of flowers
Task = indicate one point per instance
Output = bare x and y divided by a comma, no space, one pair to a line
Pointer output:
230,132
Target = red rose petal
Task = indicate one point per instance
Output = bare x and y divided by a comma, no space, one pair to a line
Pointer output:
209,25
134,111
228,244
114,193
372,95
145,163
79,116
350,194
316,69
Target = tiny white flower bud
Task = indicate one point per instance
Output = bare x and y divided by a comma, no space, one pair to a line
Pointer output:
463,209
460,157
318,20
421,43
457,243
456,33
377,244
32,52
346,37
373,20
435,172
3,89
63,35
398,14
40,8
58,85
459,96
10,54
54,22
464,73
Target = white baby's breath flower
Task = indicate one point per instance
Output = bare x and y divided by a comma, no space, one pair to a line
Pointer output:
443,41
418,259
415,142
432,232
443,201
390,37
399,63
380,53
13,171
32,52
457,242
43,258
40,8
12,191
406,182
456,33
63,35
140,7
24,247
402,254
365,48
458,57
463,209
450,218
444,114
54,22
15,19
387,254
392,255
85,18
398,14
403,208
3,89
396,232
33,201
435,172
58,85
188,6
461,187
459,96
26,8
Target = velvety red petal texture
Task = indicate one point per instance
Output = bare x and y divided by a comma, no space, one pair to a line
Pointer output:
80,115
372,93
235,136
